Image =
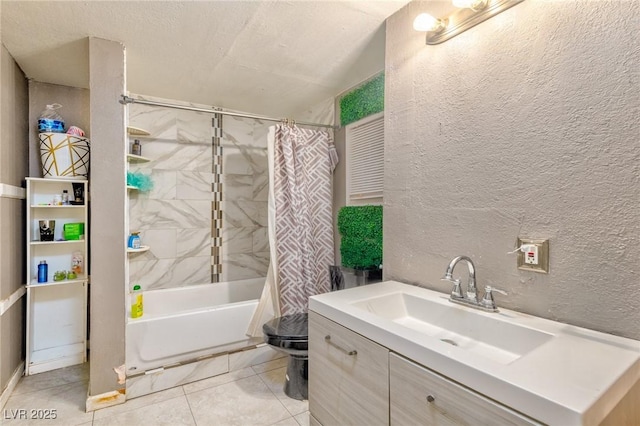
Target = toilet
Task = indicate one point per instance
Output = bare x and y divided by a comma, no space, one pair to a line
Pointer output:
289,334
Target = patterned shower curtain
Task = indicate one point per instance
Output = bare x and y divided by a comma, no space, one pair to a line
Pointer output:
303,162
300,221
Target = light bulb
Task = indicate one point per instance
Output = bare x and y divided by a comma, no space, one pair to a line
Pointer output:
426,22
474,5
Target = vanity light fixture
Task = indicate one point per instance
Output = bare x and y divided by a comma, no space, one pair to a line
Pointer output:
475,5
426,22
472,12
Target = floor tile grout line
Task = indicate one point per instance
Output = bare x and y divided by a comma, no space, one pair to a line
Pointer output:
23,378
44,391
285,395
143,406
218,384
193,416
276,396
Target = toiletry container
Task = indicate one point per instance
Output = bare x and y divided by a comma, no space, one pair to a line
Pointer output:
65,197
77,263
43,272
134,240
50,120
136,148
136,302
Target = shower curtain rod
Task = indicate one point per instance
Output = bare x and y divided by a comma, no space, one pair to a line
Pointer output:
129,100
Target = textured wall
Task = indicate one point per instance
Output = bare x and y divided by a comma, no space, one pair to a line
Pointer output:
74,111
13,168
524,125
108,192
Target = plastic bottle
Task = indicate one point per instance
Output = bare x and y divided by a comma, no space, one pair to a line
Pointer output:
76,263
136,302
43,272
65,197
134,240
50,120
136,148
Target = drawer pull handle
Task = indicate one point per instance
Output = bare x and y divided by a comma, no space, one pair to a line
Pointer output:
431,398
327,339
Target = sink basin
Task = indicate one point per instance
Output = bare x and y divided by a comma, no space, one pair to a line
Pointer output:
551,371
486,335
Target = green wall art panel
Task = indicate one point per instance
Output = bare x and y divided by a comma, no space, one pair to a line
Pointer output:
360,229
363,101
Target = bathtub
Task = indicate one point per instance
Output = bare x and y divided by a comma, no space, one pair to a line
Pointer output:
183,324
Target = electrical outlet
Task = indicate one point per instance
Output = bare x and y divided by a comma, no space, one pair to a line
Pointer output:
530,254
535,256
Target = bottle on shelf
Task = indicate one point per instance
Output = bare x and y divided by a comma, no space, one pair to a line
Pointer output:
136,148
76,263
65,197
43,272
136,302
134,240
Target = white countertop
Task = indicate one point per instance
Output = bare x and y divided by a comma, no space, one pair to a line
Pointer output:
576,377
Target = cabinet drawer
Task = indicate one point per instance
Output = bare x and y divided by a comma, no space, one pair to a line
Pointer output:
348,376
421,396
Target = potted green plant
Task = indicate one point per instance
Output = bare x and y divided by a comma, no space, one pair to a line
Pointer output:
360,229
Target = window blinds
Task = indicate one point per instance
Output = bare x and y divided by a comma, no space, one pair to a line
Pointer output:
365,164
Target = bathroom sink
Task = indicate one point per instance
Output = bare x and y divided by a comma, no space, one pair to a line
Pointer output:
484,334
551,371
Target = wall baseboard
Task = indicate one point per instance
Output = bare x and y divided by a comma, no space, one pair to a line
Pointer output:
13,382
104,400
6,304
10,191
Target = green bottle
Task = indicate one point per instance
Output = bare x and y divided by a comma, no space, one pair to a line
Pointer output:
136,302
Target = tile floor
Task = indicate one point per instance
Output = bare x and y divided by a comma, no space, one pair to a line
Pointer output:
250,396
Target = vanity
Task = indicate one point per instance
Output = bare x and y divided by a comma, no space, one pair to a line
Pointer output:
393,353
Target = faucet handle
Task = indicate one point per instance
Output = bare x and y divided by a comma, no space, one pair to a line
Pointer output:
456,292
487,301
492,289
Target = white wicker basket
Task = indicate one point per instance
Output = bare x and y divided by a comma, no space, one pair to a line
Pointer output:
64,156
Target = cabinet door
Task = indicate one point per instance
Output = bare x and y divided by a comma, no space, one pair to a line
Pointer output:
421,396
348,376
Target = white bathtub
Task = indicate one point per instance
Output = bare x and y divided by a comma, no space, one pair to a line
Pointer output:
183,324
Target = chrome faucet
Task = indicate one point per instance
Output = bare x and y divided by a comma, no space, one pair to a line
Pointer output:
472,292
470,297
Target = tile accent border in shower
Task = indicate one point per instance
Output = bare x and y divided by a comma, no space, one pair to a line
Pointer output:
216,189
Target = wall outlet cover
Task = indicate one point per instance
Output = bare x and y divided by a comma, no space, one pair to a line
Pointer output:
542,257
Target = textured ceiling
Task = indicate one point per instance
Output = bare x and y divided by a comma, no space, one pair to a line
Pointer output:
265,57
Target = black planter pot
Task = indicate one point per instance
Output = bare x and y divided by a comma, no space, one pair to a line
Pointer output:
342,277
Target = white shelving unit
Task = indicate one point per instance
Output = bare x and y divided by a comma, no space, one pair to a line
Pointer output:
56,310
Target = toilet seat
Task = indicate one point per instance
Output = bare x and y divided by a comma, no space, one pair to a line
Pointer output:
288,332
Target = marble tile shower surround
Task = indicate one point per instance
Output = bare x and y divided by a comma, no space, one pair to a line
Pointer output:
245,247
175,218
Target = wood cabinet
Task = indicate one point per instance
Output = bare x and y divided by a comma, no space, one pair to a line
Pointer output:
348,376
56,309
355,381
421,396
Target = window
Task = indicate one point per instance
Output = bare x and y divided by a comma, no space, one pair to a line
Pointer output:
365,160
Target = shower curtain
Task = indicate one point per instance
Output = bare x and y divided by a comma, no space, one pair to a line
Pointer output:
300,221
